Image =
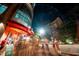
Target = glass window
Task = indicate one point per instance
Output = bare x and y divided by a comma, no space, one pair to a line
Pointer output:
23,16
2,8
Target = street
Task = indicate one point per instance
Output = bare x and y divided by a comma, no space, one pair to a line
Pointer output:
66,50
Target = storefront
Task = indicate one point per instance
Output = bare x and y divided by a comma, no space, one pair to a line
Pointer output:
18,25
14,30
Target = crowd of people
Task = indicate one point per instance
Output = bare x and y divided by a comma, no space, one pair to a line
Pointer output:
35,47
32,46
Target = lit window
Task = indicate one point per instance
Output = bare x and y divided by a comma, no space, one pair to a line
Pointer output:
2,8
23,16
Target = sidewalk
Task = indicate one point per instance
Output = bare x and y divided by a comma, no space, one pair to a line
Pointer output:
69,54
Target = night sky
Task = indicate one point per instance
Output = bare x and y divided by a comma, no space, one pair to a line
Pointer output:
45,13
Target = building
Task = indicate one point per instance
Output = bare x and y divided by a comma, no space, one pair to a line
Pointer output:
77,31
15,20
54,27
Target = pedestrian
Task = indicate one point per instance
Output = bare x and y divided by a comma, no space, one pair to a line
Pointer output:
56,46
9,49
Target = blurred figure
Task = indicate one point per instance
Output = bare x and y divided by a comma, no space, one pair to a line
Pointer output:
47,44
2,44
56,46
35,45
9,49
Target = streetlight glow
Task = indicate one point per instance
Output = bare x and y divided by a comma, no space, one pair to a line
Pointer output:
41,31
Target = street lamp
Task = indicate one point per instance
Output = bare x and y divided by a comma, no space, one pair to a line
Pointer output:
41,31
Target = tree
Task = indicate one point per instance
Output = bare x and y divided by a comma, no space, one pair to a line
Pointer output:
68,30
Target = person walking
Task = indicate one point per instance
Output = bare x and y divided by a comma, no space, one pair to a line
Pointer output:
56,46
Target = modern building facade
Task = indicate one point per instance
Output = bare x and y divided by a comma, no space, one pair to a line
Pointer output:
16,20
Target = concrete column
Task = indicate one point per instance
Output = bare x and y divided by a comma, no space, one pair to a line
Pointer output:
9,12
